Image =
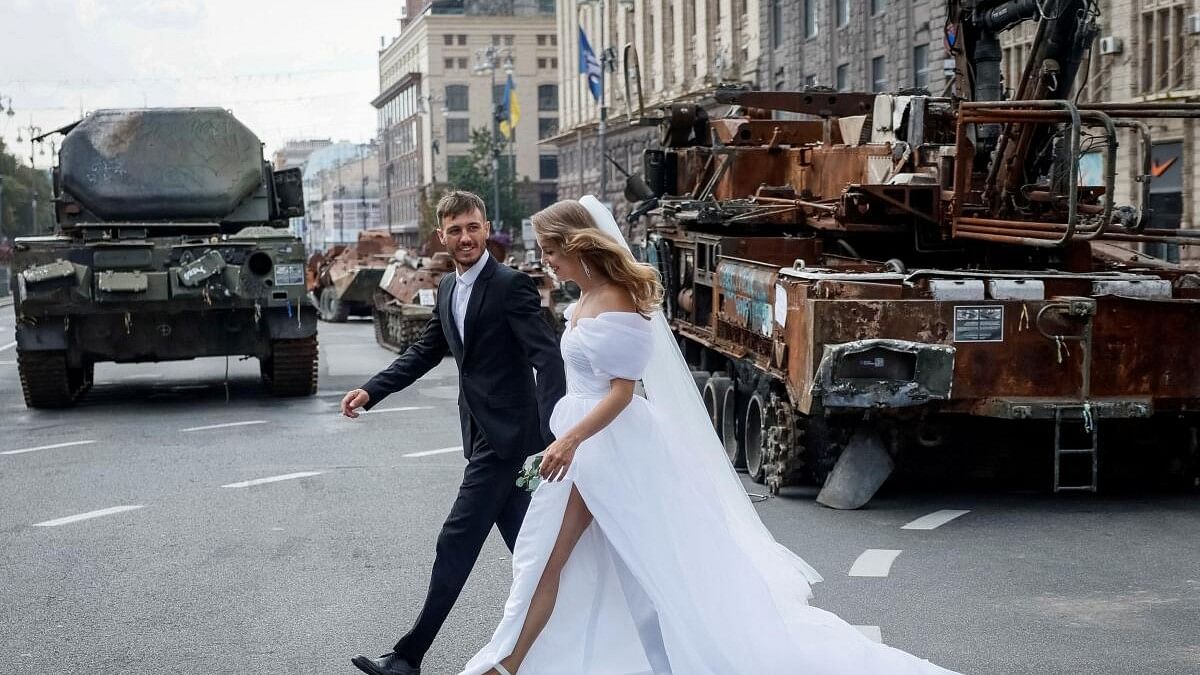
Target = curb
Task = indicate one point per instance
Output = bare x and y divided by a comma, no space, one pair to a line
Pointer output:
6,302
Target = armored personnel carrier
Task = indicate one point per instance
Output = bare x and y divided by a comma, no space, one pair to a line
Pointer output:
343,280
890,271
171,244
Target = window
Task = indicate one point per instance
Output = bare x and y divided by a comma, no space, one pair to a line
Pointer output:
548,167
547,97
553,40
462,62
842,78
554,62
546,6
458,130
920,66
1163,49
810,81
777,23
541,40
878,74
497,40
508,40
843,13
448,39
547,127
878,6
458,97
448,64
498,94
543,63
462,39
810,18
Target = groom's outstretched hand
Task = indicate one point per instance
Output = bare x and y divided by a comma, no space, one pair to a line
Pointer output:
354,399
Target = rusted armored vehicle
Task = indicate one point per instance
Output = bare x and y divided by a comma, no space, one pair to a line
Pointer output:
404,300
890,270
171,244
342,281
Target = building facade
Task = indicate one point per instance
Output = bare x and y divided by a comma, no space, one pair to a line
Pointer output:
295,153
684,48
318,189
433,94
1146,51
349,199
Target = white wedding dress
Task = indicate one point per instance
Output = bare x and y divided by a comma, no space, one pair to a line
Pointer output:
676,574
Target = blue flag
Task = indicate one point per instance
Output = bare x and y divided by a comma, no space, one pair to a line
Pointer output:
589,64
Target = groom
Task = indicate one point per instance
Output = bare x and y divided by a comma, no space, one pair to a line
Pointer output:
489,316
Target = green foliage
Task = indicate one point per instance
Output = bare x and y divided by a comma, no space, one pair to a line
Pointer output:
474,173
17,185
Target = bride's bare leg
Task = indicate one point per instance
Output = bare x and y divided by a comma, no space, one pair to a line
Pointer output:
575,520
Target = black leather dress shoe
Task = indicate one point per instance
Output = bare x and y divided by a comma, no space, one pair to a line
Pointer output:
388,664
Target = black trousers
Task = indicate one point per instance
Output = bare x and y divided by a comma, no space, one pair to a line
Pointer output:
488,496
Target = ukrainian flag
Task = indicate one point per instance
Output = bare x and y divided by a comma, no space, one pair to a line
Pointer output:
512,110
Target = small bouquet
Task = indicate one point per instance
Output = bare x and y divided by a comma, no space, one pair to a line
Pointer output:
529,477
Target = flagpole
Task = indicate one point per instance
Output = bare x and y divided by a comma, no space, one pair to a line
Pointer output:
603,107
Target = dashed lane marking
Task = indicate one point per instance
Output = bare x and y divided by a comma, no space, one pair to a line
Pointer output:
8,363
46,447
8,346
225,426
934,520
439,451
273,479
872,632
874,562
403,409
89,515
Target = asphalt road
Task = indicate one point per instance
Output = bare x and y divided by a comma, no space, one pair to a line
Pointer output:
188,566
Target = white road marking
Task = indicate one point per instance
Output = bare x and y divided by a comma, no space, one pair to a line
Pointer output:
874,562
46,447
226,425
89,515
404,409
934,520
8,363
439,451
273,479
872,632
8,346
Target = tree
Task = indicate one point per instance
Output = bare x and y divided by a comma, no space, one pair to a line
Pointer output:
17,185
474,173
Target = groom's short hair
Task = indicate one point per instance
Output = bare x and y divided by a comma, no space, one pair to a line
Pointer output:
458,202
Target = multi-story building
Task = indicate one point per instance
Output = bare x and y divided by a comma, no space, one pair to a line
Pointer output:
295,153
349,193
867,45
318,165
685,49
433,94
1146,50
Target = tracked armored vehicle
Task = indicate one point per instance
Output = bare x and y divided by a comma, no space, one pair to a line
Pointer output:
171,244
343,281
893,272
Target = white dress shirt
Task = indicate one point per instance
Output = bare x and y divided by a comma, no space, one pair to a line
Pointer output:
462,293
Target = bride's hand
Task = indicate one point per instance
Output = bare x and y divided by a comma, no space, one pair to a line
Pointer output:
557,459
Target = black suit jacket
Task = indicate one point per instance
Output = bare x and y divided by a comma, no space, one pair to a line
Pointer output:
507,339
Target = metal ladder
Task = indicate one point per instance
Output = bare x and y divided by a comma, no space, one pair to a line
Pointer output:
1089,427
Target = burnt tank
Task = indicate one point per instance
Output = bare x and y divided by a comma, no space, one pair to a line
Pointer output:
343,280
171,243
880,274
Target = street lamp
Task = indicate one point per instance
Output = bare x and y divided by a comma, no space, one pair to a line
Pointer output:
489,59
34,132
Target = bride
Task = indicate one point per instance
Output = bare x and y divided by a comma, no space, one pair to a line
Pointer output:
640,553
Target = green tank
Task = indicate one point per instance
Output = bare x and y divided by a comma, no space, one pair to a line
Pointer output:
171,244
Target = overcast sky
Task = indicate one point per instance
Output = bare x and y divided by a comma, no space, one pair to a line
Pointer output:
287,69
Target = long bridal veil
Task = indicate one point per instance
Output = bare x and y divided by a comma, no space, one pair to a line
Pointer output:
679,409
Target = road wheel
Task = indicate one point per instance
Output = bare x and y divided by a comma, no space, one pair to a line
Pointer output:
756,436
732,427
701,378
46,381
291,369
332,309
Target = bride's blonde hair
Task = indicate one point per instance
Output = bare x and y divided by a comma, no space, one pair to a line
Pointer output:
568,225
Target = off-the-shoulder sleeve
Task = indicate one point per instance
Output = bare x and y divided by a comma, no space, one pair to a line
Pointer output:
618,344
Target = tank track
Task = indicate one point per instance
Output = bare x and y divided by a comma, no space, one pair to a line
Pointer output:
291,369
48,382
396,329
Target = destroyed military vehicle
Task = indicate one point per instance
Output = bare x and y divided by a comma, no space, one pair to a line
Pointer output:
171,243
